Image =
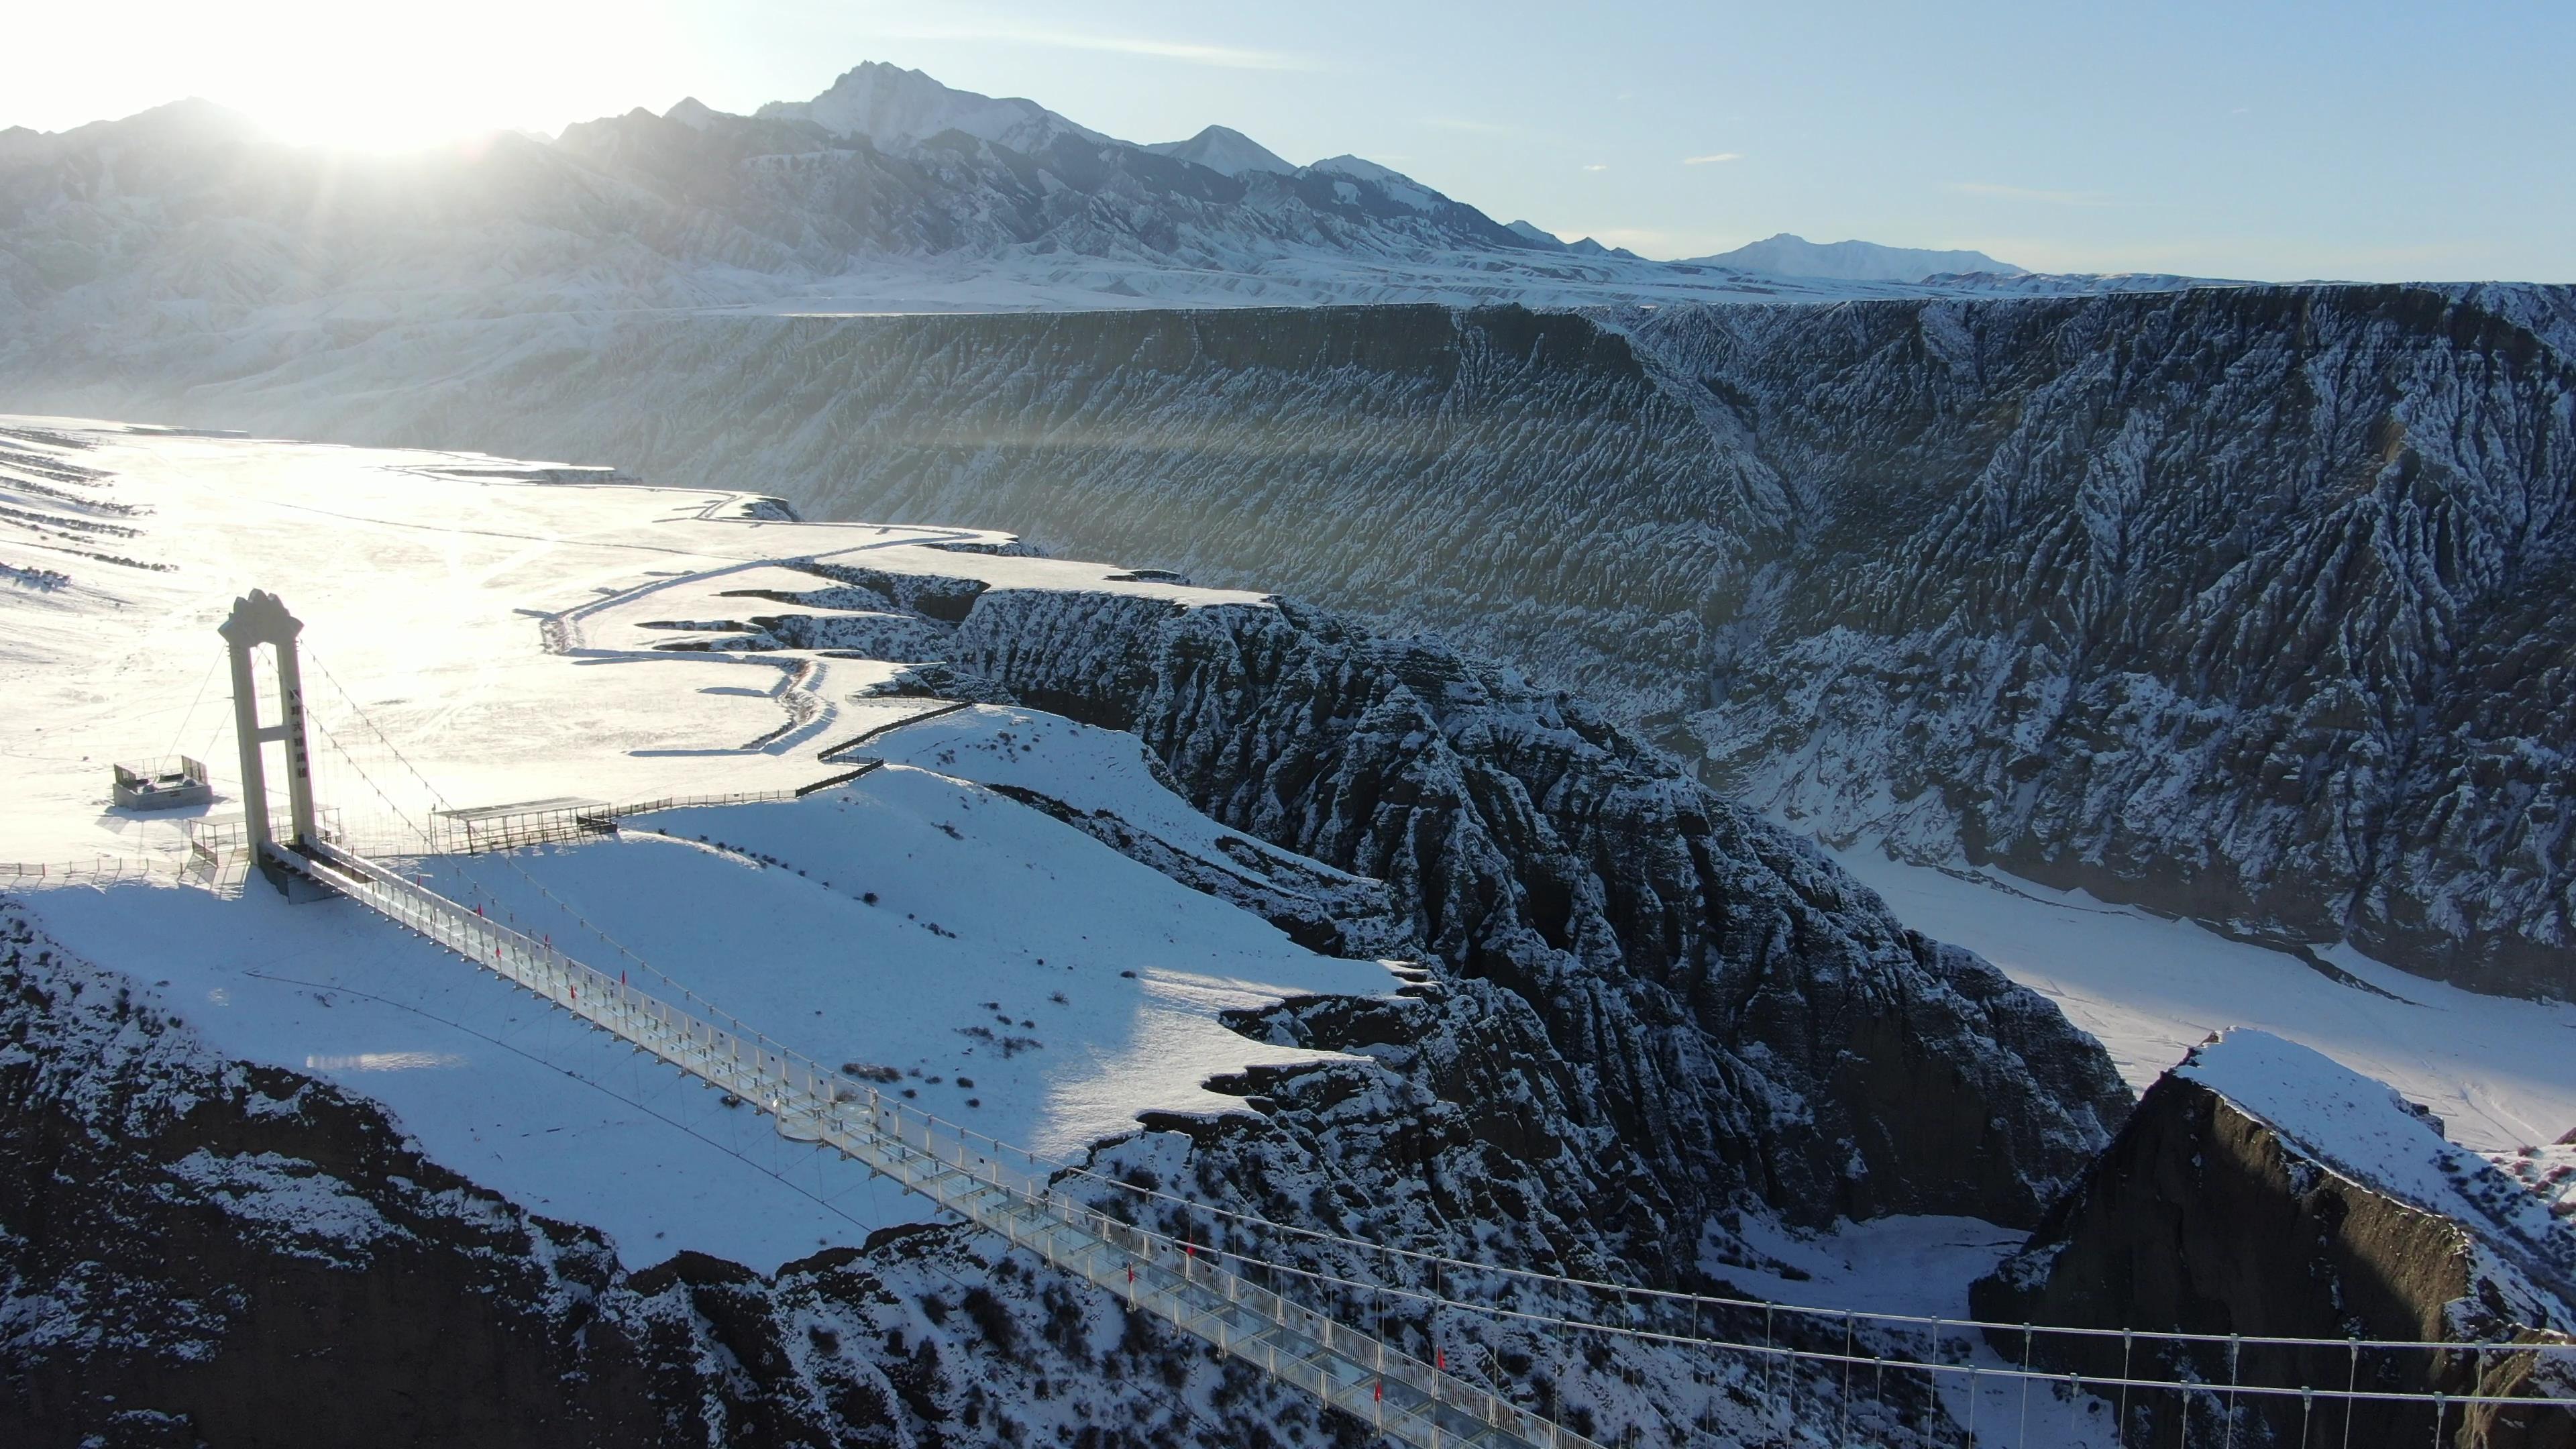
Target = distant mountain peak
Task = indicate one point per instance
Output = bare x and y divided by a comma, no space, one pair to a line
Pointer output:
693,113
1226,150
1790,255
1350,165
896,108
1397,186
1529,232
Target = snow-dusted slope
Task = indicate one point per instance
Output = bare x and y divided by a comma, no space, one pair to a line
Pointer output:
2360,1129
2261,1189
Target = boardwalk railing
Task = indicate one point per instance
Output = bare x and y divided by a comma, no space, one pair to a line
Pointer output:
994,1187
563,822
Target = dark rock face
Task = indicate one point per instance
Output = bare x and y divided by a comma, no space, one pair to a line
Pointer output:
2247,604
2203,1219
1699,1008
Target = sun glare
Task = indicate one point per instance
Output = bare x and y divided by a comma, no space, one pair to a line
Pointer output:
392,78
381,121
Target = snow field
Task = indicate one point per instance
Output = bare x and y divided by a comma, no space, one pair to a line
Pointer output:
2501,1073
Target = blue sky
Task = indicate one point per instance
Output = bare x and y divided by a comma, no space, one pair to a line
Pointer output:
2360,140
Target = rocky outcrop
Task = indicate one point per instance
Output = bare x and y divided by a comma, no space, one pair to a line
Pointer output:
1701,1015
2261,1190
1723,1017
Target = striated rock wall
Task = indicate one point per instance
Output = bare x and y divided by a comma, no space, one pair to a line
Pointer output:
2247,605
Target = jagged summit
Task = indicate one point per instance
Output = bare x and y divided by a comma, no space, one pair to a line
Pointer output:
895,107
1789,255
1225,150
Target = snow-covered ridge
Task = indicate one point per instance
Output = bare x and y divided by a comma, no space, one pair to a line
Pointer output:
2363,1130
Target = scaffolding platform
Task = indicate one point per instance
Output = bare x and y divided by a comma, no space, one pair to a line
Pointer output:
474,830
171,782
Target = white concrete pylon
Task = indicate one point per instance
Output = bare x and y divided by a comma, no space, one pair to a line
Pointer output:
261,618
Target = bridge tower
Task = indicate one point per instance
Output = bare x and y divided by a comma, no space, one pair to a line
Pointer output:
261,618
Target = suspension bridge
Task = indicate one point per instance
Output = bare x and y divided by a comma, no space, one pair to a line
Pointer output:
1360,1325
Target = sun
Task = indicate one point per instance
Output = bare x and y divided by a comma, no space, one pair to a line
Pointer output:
393,78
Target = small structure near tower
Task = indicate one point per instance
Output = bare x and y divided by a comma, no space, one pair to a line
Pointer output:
167,783
261,618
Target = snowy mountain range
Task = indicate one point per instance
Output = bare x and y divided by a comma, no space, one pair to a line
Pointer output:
889,191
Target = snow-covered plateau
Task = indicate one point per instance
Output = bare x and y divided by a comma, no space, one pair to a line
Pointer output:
1342,929
2248,606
